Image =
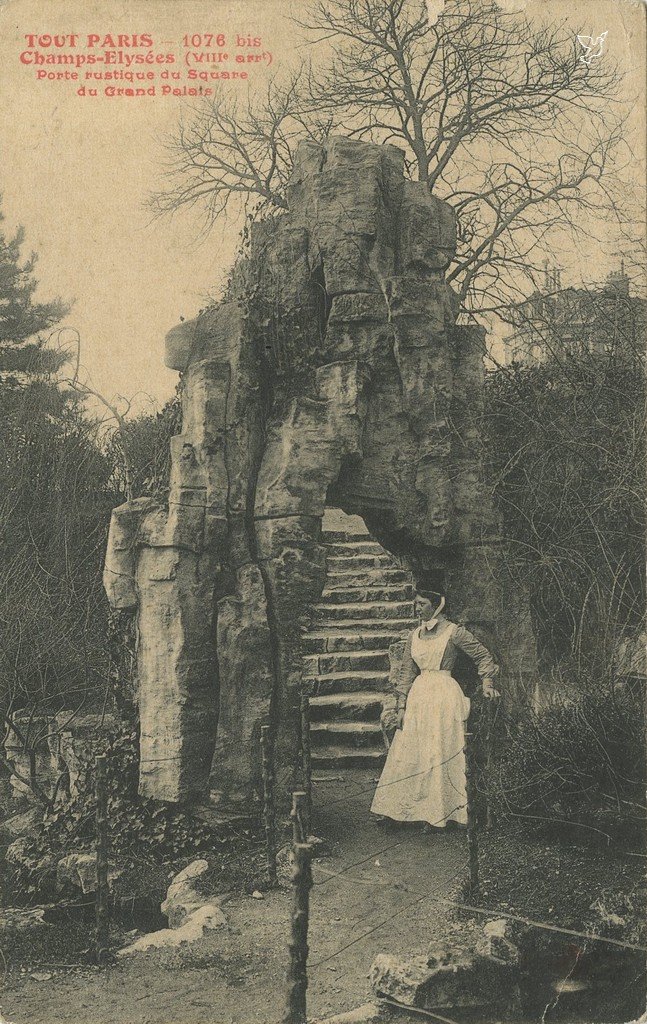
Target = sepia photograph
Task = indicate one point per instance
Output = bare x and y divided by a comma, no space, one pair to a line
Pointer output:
323,638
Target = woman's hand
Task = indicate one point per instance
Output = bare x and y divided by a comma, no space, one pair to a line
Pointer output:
489,690
399,721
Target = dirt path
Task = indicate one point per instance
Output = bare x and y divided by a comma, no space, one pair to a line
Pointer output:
368,897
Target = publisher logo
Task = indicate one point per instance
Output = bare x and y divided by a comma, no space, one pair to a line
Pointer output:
593,47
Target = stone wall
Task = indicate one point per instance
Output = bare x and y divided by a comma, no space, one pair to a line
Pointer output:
53,748
333,372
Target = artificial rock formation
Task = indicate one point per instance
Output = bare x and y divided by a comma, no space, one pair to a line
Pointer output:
332,373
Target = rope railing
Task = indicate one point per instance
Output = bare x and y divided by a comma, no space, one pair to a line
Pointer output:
386,921
302,867
393,782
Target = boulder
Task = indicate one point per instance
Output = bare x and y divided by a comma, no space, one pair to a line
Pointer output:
176,675
389,716
497,941
400,979
182,898
190,915
206,918
368,1013
451,981
17,851
19,825
16,921
79,871
427,231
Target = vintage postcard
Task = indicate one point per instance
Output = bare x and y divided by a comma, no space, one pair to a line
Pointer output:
322,536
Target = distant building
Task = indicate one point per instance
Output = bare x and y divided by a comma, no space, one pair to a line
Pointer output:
561,321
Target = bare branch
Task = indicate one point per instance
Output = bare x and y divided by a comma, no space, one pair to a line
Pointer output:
493,109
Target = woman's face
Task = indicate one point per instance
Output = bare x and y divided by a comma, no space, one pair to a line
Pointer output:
424,608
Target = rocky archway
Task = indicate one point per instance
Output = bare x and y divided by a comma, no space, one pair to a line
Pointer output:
334,371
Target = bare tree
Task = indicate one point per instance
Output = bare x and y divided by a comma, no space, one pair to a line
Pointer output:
116,410
238,149
497,113
564,450
54,508
64,468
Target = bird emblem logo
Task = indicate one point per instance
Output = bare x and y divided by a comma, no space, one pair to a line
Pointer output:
594,47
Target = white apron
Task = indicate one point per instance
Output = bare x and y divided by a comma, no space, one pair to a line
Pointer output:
424,775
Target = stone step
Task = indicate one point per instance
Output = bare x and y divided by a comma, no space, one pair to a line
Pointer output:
345,757
366,578
322,642
363,705
348,682
362,594
346,734
365,546
381,610
356,635
334,562
344,536
346,661
378,638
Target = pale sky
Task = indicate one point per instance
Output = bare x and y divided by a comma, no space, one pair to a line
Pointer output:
75,172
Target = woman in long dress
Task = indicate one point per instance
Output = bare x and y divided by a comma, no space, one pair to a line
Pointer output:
424,776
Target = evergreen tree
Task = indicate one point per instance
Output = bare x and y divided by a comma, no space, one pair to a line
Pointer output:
21,318
55,498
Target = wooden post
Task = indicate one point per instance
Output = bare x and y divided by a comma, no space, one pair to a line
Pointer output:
298,815
297,974
269,811
489,712
101,897
306,760
472,834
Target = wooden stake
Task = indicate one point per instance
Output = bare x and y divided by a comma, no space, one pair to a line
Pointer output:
297,975
101,897
490,714
306,759
298,815
472,833
269,810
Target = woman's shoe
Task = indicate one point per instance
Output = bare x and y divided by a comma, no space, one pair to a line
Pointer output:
388,823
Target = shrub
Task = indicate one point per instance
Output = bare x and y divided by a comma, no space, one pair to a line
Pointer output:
142,831
580,759
564,453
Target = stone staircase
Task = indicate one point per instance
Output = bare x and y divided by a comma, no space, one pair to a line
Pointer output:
367,605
